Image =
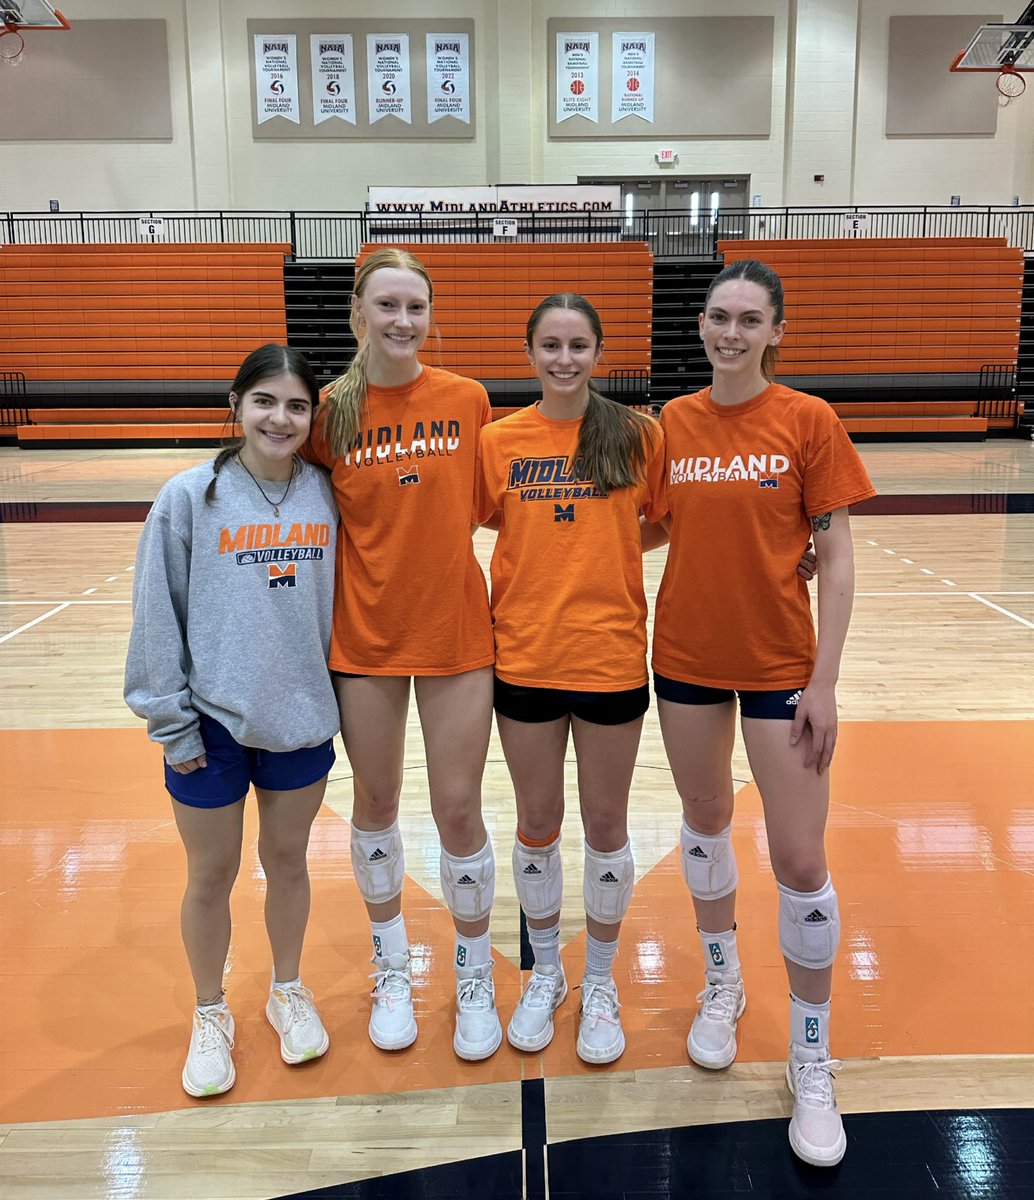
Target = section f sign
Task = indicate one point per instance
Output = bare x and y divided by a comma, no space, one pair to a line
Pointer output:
577,76
276,77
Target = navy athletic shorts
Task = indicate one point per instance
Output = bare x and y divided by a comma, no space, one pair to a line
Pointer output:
762,706
232,768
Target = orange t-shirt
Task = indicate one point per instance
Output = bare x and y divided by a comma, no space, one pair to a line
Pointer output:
409,596
567,572
742,483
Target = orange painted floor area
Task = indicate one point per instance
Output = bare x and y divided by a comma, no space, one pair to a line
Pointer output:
931,838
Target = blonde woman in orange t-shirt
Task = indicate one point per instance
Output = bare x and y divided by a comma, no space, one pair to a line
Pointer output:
757,468
411,610
564,481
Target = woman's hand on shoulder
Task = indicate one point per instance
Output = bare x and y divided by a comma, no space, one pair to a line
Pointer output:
816,724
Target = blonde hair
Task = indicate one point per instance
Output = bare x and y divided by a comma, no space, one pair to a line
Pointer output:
613,440
346,396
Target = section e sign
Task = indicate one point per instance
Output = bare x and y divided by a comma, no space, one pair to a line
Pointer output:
854,222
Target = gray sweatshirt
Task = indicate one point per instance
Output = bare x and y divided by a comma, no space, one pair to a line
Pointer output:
232,612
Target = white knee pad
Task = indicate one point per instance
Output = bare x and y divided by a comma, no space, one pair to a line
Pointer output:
809,925
468,884
538,874
378,863
708,863
608,882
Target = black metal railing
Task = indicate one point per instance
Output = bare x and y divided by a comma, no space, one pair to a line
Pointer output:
670,233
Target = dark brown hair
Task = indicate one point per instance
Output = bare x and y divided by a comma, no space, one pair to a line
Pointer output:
760,273
613,441
267,362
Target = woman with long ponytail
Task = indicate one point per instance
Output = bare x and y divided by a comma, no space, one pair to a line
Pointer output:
566,480
411,611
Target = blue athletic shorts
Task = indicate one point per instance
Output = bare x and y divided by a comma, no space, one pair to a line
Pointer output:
762,706
534,706
232,768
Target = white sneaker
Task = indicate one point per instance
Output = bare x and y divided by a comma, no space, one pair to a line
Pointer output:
600,1036
531,1026
392,1023
293,1015
712,1038
209,1069
816,1130
478,1032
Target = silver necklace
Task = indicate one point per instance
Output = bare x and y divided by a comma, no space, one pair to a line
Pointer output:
269,499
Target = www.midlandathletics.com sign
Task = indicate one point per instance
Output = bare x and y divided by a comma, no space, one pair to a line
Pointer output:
510,201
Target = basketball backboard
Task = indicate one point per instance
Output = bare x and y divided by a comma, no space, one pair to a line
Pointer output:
31,14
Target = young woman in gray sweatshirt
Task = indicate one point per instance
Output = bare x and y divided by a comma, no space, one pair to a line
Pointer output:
232,602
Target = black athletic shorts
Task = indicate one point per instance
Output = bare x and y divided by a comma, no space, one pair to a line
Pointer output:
534,706
763,706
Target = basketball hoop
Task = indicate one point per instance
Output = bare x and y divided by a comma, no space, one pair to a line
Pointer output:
11,46
1010,84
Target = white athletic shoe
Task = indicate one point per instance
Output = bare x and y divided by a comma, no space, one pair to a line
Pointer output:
531,1026
600,1036
209,1069
478,1032
293,1015
712,1038
392,1023
816,1130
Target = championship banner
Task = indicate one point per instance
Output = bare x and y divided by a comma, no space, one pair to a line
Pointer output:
333,77
387,63
276,77
577,76
632,92
448,76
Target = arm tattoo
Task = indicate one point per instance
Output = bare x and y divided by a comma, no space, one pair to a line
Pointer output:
822,522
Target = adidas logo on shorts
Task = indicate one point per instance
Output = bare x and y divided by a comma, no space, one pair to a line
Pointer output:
466,881
697,852
610,877
377,855
816,917
531,869
794,699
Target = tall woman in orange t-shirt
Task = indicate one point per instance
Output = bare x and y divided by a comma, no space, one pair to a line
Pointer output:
566,479
411,607
757,468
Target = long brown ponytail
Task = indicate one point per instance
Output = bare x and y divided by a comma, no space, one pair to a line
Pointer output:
613,441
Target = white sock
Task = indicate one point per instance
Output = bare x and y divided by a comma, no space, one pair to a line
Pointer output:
389,937
545,944
472,951
599,956
291,983
809,1028
721,954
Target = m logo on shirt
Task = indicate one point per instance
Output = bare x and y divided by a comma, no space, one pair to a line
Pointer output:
408,475
283,576
563,512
